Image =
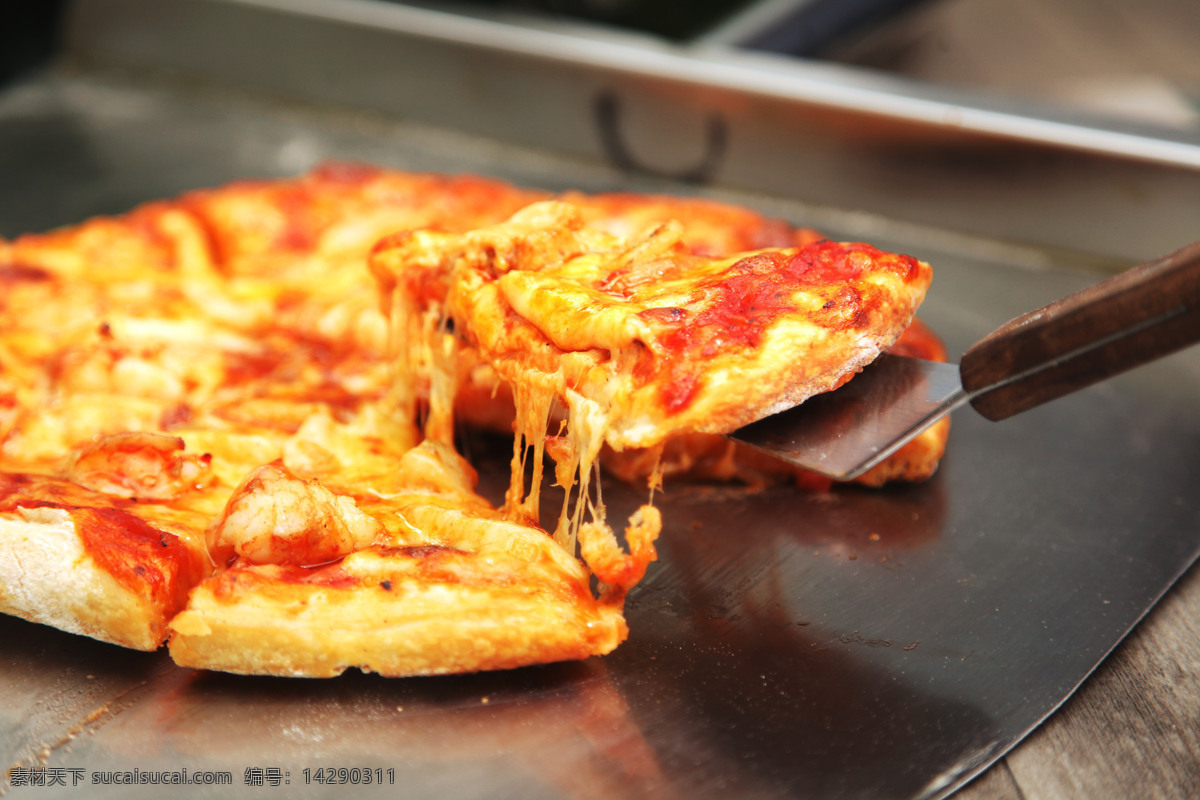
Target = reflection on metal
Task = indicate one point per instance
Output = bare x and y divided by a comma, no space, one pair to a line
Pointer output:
115,27
844,433
608,124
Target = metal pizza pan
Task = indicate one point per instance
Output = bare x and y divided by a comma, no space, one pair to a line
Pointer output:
786,644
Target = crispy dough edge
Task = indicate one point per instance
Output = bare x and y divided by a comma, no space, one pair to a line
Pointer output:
914,462
321,631
733,392
46,576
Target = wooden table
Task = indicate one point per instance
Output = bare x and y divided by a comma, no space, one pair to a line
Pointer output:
1131,731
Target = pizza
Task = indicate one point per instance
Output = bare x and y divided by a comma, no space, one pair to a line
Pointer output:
706,457
218,434
637,339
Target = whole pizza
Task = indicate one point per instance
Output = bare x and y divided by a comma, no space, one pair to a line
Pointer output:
228,421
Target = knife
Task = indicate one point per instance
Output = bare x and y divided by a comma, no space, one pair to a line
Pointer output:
1130,319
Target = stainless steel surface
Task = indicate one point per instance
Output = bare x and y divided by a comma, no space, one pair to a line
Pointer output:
826,133
127,23
844,433
787,644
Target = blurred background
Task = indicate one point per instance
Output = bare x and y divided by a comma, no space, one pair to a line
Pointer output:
1128,60
1134,61
1067,124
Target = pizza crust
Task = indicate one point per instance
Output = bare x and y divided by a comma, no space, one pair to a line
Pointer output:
252,620
38,547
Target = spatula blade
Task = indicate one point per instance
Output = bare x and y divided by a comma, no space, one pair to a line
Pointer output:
844,433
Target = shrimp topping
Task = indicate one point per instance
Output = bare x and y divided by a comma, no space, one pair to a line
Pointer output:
275,517
141,466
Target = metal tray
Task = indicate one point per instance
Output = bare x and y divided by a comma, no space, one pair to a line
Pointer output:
704,112
887,644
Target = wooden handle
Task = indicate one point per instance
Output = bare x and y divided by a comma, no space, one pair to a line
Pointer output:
1132,318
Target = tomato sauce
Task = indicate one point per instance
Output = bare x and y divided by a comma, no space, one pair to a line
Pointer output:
754,291
13,273
18,490
142,558
330,576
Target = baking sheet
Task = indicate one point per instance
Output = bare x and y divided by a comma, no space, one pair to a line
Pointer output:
787,644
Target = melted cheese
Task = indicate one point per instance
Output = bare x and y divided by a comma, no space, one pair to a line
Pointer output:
543,236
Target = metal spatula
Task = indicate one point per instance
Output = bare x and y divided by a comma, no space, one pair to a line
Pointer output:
1132,318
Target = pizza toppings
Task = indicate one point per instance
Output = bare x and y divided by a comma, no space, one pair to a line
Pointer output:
142,466
144,559
274,517
451,587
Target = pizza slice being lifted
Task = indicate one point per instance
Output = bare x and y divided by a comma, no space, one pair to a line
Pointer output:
639,339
